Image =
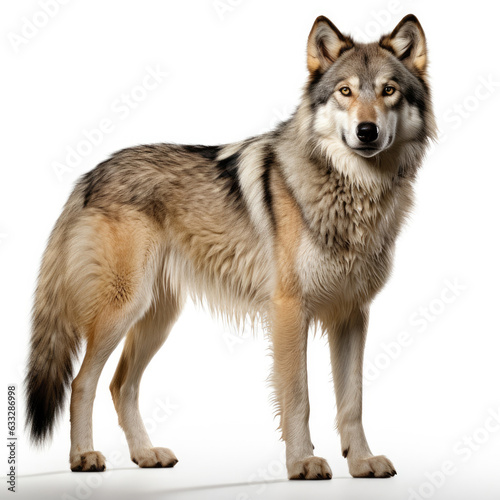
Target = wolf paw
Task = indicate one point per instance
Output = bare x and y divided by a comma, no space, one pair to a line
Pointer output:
378,466
310,468
90,461
155,457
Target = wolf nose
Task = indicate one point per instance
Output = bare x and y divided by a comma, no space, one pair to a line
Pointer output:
367,132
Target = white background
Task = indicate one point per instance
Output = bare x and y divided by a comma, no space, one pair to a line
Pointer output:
235,71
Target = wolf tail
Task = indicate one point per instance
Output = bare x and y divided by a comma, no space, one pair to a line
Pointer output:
54,344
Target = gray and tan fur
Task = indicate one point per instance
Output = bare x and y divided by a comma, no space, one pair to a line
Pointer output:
296,227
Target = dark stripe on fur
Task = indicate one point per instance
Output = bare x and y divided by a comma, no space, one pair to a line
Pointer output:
384,43
314,80
227,170
145,196
92,179
208,152
349,44
267,165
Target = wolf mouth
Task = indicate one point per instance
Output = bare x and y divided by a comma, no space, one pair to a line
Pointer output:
364,148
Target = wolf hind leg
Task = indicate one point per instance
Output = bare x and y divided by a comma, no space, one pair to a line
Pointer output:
101,343
141,344
110,286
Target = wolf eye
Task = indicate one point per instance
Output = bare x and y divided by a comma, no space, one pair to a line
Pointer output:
345,91
388,90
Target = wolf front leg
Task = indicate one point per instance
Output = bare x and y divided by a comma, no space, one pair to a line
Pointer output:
347,335
289,337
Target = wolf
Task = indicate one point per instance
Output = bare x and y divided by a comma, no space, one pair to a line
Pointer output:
295,228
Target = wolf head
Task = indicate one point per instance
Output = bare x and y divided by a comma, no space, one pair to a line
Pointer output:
367,99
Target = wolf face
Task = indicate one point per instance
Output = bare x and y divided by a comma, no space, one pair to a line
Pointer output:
367,97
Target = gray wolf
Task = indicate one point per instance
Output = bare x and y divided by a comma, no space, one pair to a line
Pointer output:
295,227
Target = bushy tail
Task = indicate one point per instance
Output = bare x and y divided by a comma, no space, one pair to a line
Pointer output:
54,345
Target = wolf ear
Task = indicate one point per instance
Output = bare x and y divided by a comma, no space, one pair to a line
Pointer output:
407,42
324,45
